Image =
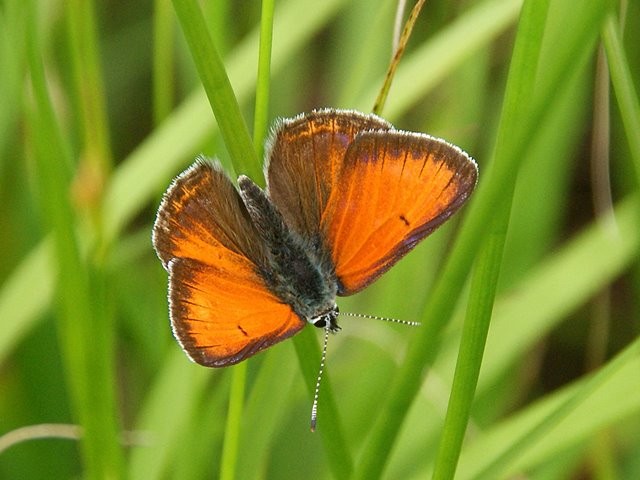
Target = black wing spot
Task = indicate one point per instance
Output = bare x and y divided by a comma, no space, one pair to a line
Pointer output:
404,219
243,331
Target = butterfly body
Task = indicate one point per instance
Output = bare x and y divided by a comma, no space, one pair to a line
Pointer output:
298,271
347,196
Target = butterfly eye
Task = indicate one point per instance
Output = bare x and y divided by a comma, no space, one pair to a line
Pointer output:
320,322
328,319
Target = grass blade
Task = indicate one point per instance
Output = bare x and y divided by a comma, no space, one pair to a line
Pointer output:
87,356
440,306
484,282
219,91
624,87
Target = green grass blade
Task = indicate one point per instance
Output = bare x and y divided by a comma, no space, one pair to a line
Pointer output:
603,399
86,355
167,408
624,87
231,441
472,344
489,194
530,310
626,361
163,78
484,282
20,303
219,91
272,387
329,423
12,53
239,374
263,83
87,76
554,289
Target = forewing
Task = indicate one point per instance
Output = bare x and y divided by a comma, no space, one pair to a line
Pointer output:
393,189
304,154
221,310
203,217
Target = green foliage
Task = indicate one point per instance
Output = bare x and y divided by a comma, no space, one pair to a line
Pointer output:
97,119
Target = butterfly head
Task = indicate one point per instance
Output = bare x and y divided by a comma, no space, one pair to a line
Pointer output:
328,318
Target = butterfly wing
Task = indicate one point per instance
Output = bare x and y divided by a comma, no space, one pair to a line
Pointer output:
304,155
221,316
393,189
221,310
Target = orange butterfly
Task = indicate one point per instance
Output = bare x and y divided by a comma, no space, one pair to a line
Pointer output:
347,196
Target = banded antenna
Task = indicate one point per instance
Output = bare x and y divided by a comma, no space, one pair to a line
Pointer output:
314,407
384,319
316,393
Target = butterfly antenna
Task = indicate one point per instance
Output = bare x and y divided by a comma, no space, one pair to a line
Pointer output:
314,407
385,319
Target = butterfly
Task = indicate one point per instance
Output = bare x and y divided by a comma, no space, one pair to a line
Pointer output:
347,196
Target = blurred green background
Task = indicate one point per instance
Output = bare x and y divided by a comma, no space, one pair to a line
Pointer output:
102,106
